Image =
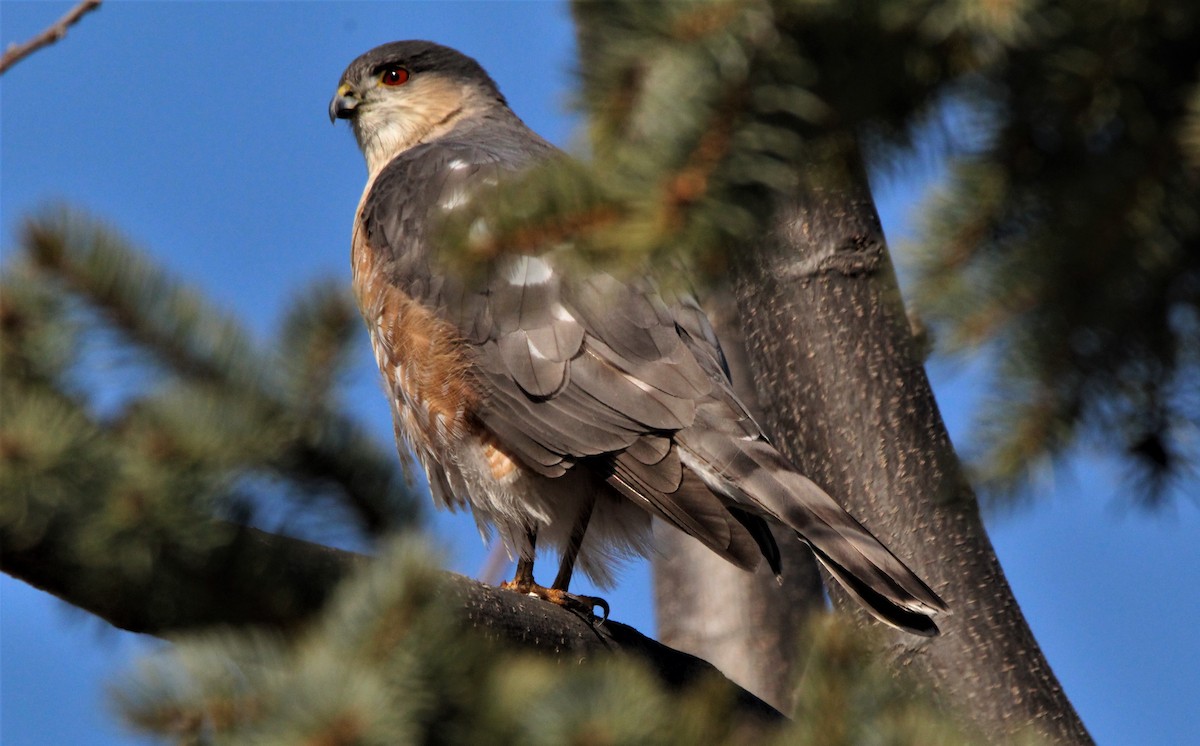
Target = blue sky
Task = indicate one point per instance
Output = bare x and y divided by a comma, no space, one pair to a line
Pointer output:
200,129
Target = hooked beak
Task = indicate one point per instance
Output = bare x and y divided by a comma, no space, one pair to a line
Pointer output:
344,102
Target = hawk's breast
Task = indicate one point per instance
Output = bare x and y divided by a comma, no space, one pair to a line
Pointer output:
422,357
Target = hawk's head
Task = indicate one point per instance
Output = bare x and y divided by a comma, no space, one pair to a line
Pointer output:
407,92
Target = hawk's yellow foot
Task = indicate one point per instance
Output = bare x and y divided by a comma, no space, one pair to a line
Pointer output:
524,584
569,601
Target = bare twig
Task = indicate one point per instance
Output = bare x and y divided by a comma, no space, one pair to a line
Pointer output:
17,52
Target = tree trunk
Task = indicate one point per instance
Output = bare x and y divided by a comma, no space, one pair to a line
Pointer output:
845,397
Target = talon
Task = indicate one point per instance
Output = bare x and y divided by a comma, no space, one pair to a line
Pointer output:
516,587
595,602
583,605
569,601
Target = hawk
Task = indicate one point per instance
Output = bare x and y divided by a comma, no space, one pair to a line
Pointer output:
562,410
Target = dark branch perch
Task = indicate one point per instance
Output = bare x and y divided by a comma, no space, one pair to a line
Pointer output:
17,52
268,579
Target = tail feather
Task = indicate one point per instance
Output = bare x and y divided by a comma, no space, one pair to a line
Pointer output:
759,479
761,533
883,608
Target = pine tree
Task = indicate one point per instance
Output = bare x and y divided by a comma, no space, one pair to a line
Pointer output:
1065,243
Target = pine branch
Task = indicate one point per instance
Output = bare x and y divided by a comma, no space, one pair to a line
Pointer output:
255,579
264,579
315,343
57,30
156,313
213,369
1065,243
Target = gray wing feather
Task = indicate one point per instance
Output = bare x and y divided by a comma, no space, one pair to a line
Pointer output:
535,334
650,449
600,377
694,509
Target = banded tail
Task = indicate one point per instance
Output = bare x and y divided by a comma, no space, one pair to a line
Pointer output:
756,477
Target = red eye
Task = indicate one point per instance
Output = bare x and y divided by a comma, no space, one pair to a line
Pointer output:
394,76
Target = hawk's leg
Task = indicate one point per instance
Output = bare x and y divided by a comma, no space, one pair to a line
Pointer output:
524,583
567,567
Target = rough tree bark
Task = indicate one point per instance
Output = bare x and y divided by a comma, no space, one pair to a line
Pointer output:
845,396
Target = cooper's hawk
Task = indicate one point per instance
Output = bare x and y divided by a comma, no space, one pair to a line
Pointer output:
565,410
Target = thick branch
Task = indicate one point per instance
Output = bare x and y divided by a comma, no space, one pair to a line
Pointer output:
845,396
17,52
267,579
256,578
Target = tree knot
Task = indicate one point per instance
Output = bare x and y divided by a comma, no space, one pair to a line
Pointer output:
859,254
